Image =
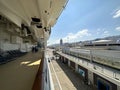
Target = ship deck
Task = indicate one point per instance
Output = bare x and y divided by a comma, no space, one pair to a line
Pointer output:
20,73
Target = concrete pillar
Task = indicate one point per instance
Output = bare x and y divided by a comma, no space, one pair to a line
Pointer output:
118,87
76,67
64,59
60,58
69,63
90,77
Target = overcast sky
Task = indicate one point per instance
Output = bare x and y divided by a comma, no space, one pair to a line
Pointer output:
87,19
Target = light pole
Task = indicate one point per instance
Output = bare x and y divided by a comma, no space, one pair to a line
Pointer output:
91,56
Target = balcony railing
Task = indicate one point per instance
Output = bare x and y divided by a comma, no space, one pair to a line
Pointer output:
100,69
43,78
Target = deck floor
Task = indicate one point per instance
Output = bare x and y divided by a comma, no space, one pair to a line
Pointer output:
20,73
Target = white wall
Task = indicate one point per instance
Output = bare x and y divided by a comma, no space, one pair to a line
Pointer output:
9,41
4,36
16,39
8,46
25,47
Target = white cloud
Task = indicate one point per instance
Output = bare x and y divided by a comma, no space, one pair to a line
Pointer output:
72,37
117,28
101,31
116,14
98,31
50,42
106,33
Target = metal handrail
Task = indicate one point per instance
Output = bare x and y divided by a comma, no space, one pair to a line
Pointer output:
38,82
101,69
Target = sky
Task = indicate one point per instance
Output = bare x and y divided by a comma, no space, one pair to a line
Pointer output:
87,20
